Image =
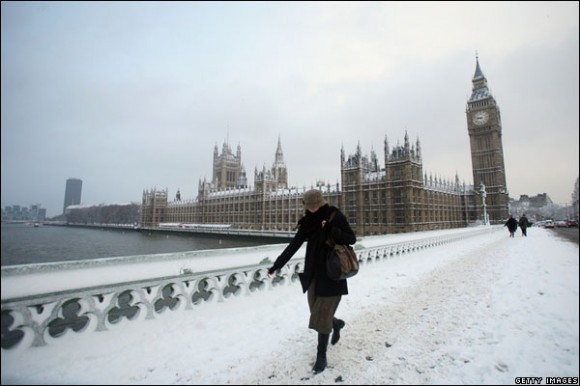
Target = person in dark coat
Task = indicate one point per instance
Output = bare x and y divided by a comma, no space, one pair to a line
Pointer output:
524,223
512,225
324,294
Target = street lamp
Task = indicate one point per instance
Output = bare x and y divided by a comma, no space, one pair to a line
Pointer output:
483,194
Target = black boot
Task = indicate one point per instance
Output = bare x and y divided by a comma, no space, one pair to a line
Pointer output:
337,325
320,364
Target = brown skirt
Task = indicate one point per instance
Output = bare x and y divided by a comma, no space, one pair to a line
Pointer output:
322,310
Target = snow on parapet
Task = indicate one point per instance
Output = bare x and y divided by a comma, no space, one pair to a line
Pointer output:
293,191
178,225
374,176
230,192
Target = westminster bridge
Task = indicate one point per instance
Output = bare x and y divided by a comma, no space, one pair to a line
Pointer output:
42,302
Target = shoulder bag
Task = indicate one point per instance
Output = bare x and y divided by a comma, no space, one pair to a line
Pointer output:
341,262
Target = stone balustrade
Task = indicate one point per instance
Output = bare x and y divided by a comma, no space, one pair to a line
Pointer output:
35,320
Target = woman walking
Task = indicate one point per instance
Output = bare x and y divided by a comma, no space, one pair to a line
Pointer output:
320,223
524,223
512,225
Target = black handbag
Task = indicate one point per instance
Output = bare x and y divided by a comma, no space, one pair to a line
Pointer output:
341,262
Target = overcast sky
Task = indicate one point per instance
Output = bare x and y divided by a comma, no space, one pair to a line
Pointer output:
131,96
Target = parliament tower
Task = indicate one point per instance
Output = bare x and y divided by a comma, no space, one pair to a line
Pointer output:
487,160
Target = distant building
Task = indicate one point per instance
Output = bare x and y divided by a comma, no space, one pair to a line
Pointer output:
391,196
575,195
538,207
116,214
19,213
72,193
538,201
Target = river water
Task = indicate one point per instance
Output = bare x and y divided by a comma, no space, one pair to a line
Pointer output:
26,244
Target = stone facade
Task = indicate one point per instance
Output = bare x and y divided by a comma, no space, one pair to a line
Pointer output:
377,197
398,197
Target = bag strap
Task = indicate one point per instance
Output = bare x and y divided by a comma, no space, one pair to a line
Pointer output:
332,216
330,242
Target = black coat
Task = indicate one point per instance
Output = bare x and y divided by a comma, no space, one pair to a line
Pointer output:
512,224
310,228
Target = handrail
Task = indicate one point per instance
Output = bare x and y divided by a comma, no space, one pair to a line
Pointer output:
37,319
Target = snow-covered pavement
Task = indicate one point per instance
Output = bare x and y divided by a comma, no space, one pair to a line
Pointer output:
482,311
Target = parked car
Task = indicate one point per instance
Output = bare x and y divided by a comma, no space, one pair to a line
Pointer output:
549,224
572,224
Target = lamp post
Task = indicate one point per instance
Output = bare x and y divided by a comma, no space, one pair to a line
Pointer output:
483,194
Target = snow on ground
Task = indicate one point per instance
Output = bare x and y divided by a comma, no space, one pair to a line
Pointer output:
482,311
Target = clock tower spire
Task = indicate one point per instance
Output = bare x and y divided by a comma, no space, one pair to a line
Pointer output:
487,160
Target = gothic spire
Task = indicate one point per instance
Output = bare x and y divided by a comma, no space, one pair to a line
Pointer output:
418,147
480,90
478,73
386,149
279,153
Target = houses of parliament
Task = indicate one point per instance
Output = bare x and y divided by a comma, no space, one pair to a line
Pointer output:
390,195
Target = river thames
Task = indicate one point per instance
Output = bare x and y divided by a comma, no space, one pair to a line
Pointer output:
26,244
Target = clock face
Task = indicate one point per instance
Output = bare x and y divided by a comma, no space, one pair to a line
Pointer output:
480,117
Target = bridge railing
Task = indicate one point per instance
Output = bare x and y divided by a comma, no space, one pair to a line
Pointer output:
36,320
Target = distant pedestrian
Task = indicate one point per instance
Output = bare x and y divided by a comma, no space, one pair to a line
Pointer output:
524,223
320,223
512,225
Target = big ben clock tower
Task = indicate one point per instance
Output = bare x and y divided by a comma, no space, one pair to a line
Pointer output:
484,126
